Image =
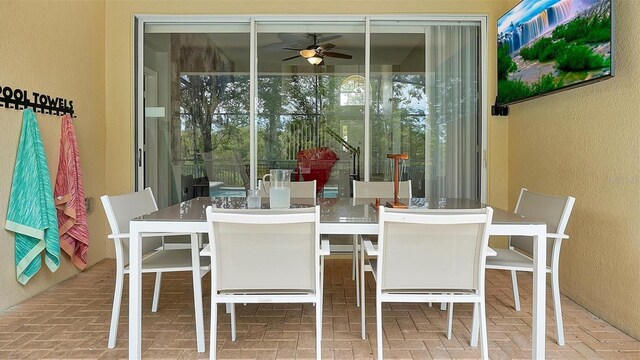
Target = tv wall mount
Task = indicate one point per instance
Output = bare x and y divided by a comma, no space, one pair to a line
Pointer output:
499,110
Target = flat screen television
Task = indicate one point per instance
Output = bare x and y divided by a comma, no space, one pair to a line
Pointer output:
545,46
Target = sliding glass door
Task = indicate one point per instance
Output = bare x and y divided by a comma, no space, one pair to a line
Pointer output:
323,97
425,103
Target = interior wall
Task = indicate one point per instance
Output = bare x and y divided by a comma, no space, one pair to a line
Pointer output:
57,48
585,143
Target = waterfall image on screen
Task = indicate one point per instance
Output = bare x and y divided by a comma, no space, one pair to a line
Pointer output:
548,45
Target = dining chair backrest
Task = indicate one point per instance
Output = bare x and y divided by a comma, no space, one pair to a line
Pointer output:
265,250
120,209
380,189
431,250
299,189
553,210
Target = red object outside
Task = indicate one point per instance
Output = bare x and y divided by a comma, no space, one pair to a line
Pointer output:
315,164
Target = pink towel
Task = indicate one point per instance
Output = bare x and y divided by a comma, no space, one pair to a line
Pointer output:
69,198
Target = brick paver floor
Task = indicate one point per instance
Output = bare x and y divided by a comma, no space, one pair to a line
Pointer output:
71,321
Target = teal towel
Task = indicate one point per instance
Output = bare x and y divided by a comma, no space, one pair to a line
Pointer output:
32,213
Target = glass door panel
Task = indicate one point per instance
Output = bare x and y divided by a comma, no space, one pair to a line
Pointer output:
197,114
304,122
424,102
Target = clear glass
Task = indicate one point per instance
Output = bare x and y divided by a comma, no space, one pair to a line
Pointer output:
425,104
302,122
424,101
200,145
254,201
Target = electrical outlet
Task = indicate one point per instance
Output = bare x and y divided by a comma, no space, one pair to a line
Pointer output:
87,204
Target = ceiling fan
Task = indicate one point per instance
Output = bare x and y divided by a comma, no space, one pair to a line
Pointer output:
315,53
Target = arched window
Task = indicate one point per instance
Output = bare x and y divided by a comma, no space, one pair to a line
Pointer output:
352,91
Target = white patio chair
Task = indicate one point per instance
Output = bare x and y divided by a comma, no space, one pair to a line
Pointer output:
426,256
119,210
554,211
265,256
369,190
299,189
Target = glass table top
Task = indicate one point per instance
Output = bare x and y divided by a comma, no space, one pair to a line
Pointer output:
334,210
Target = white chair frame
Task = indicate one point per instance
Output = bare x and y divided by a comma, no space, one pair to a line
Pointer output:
256,218
514,259
434,293
369,190
159,261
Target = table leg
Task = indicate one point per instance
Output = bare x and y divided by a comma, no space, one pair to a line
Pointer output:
135,292
197,293
539,293
362,284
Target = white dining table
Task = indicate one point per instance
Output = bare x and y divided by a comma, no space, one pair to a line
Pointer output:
337,216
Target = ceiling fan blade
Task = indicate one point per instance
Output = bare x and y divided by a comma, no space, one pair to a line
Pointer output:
291,37
327,38
290,58
288,48
337,55
325,47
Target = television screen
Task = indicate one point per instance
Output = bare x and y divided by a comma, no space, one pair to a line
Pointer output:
550,45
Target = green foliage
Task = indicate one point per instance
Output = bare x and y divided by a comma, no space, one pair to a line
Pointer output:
580,58
510,90
528,53
545,84
534,51
552,51
584,30
505,63
545,49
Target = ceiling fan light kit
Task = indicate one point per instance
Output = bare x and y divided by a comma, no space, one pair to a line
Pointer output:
315,53
315,60
307,53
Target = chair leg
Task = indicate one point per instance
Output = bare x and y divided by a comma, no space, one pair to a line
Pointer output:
322,273
484,344
362,301
516,294
450,321
379,327
557,307
213,348
197,293
115,312
156,292
353,258
355,268
233,321
475,326
319,328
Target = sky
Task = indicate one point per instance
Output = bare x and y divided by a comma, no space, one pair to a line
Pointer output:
527,9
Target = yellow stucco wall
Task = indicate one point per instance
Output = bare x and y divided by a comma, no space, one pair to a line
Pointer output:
57,48
586,143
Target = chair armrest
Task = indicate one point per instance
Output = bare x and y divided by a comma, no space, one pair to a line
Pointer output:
557,236
126,235
370,249
325,248
206,251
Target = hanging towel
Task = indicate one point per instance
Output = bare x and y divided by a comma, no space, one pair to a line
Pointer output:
31,213
69,198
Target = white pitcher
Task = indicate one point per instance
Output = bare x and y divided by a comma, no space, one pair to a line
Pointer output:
279,189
